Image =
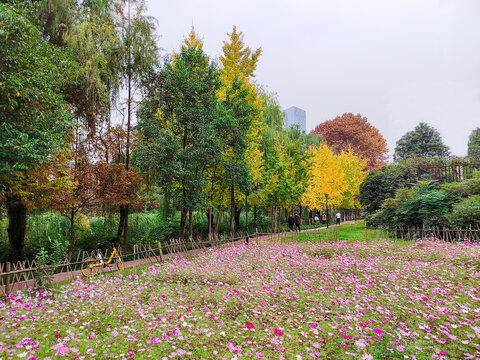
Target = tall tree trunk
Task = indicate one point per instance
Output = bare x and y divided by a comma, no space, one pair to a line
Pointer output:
210,221
183,220
271,221
238,211
121,224
255,217
71,217
125,227
190,223
129,129
275,216
300,213
217,222
232,210
17,224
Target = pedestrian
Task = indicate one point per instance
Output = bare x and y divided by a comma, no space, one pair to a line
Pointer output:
317,218
337,216
324,218
297,222
290,222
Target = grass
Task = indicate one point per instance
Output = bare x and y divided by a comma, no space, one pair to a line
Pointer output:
351,231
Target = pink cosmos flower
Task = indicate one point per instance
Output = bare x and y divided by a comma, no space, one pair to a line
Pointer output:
278,332
250,325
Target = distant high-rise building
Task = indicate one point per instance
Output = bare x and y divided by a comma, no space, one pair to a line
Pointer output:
294,115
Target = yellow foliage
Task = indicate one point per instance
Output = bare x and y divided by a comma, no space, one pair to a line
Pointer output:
192,40
238,60
354,175
326,176
339,176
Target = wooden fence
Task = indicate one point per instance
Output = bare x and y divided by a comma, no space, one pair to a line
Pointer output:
416,233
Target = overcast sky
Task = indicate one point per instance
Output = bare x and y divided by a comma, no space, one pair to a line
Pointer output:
397,62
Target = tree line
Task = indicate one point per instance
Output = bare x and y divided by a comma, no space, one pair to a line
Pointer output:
94,121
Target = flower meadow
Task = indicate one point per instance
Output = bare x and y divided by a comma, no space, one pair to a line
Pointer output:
306,300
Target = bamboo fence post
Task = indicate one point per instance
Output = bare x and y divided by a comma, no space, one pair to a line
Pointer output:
7,278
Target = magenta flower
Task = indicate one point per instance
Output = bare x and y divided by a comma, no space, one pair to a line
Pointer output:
250,325
278,332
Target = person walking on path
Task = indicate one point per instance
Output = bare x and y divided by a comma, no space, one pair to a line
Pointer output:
297,222
337,216
291,222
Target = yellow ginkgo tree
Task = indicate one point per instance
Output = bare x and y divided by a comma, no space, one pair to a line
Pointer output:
242,158
326,176
355,173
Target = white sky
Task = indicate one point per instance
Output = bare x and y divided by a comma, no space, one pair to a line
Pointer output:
397,62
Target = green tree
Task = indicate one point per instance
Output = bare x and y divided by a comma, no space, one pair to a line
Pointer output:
474,144
139,59
382,184
424,142
181,126
423,205
466,212
36,122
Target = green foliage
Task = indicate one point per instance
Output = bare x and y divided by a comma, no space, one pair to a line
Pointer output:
180,127
466,213
474,144
35,118
55,255
423,205
424,142
462,189
430,205
294,133
382,184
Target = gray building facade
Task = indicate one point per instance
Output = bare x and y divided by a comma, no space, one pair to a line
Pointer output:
294,115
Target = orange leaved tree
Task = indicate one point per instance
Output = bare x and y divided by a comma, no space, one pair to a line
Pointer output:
354,132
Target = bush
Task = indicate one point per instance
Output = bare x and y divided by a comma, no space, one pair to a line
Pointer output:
466,212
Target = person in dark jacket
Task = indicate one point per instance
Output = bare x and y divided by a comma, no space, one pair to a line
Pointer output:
291,222
297,222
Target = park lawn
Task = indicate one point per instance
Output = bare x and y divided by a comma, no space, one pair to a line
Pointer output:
351,231
341,300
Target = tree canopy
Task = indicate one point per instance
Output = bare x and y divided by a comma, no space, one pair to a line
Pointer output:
424,141
382,184
474,144
354,132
